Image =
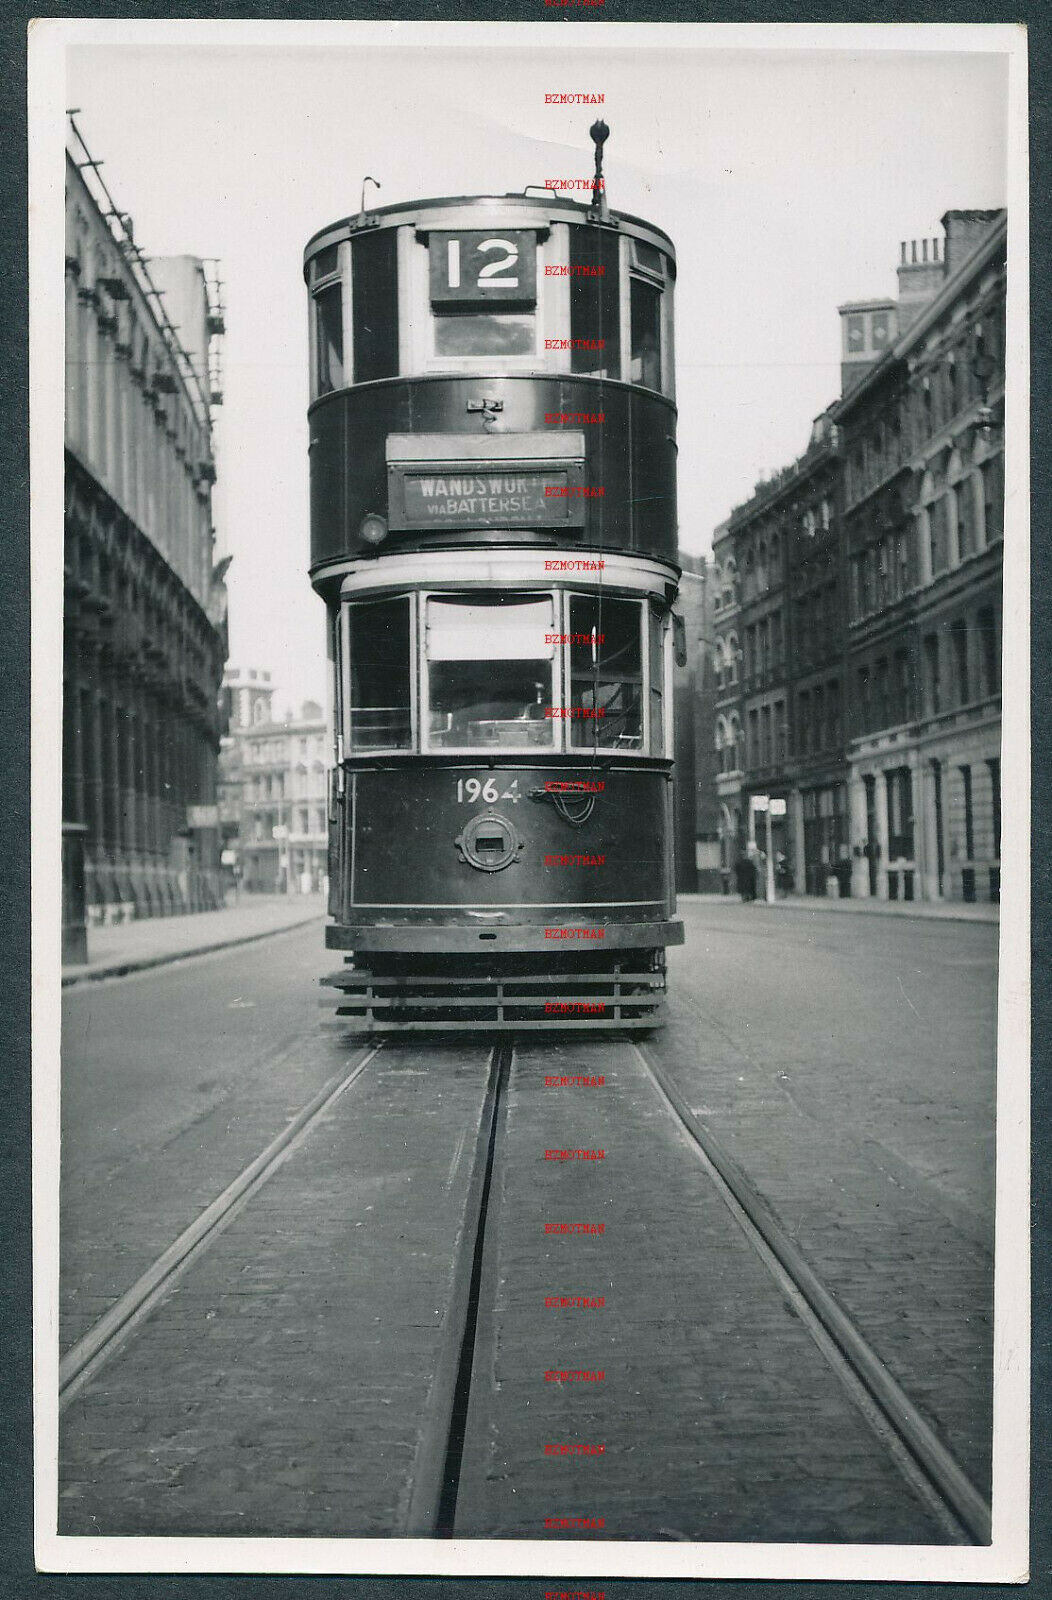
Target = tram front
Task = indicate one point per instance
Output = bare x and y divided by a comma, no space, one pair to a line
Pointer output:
492,443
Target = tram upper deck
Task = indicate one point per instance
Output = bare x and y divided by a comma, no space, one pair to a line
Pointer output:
490,370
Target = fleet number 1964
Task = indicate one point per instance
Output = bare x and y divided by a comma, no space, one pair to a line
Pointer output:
471,789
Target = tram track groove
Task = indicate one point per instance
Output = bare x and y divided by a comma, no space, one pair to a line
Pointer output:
897,1421
102,1341
439,1454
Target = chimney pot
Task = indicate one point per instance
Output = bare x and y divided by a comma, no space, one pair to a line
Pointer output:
924,249
902,256
913,251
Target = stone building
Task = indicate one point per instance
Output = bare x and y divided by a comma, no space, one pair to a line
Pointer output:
273,789
860,596
729,743
144,627
922,449
697,819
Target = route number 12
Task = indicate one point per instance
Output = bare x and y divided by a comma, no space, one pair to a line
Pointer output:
472,268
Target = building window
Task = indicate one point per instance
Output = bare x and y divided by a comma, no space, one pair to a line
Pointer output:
905,566
804,722
993,498
965,503
932,682
765,736
779,731
304,819
959,642
753,739
900,814
832,713
994,769
938,535
864,710
903,708
883,694
969,814
988,652
818,716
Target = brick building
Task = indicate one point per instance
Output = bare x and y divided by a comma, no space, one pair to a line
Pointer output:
273,789
922,449
858,630
697,818
144,625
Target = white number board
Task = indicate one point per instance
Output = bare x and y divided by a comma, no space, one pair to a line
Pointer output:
484,268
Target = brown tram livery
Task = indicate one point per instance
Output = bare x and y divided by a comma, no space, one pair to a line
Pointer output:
493,532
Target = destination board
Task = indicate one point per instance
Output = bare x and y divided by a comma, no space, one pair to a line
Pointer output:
485,499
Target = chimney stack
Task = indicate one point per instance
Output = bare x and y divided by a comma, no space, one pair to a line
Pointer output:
921,274
964,230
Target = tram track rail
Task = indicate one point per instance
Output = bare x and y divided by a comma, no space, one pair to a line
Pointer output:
913,1445
920,1456
105,1338
897,1421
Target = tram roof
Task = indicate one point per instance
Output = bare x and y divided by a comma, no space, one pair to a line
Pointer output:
545,199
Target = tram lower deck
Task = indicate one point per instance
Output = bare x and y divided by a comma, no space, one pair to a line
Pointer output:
502,814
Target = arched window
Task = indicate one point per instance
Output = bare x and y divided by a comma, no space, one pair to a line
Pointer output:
731,651
761,566
717,667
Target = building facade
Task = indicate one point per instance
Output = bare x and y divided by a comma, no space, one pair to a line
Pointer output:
729,743
922,445
860,596
697,819
144,626
274,790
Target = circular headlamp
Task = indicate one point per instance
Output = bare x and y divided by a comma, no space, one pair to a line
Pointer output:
373,528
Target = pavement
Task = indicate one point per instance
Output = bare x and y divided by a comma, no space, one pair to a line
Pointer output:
938,910
126,947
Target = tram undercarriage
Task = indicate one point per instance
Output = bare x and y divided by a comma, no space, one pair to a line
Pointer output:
390,993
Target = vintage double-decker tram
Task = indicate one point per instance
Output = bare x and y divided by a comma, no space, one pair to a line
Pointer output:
493,528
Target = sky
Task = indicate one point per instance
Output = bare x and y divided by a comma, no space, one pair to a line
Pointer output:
785,177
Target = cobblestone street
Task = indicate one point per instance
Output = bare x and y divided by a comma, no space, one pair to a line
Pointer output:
846,1064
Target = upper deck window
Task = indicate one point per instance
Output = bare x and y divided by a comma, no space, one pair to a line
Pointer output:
327,297
645,315
468,333
595,313
374,290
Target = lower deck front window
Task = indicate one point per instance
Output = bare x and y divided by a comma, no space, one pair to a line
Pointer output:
606,673
489,672
380,690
